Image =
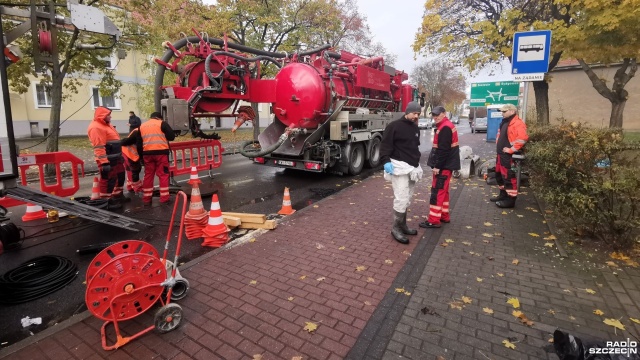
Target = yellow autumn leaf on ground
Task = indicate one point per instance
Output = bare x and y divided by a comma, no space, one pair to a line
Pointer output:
252,282
303,277
290,298
444,244
570,243
504,213
449,240
361,268
632,263
486,241
500,274
525,320
635,320
549,244
370,280
466,243
520,216
487,310
550,237
567,291
479,279
515,262
257,357
466,300
611,263
341,248
508,344
469,227
534,234
367,303
399,290
514,302
407,293
310,327
516,313
615,323
367,223
619,256
487,235
590,291
456,305
598,312
551,311
572,317
251,241
388,262
488,224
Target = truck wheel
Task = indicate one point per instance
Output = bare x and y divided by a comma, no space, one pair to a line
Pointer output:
356,158
373,160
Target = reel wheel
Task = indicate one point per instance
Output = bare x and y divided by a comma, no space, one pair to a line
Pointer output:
168,318
117,249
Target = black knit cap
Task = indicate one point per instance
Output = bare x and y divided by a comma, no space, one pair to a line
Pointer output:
413,107
155,115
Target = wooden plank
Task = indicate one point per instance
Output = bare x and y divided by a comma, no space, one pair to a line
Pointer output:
249,218
231,221
269,225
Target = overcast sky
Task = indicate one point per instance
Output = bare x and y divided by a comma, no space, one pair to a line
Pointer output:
395,23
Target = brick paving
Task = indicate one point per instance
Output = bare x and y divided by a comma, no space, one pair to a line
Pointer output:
335,264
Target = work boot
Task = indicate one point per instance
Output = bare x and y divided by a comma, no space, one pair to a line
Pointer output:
396,231
114,204
428,225
507,203
502,196
121,198
405,229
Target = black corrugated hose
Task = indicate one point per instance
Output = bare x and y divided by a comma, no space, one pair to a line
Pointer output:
36,278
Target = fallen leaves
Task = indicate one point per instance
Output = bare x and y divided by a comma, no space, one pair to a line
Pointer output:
514,302
319,246
310,327
361,268
487,310
449,240
303,277
500,274
466,243
487,235
252,282
598,312
590,291
488,224
508,344
257,357
370,280
515,262
522,317
534,235
388,262
456,305
549,244
466,300
479,279
635,320
615,323
252,240
399,290
368,303
341,248
444,244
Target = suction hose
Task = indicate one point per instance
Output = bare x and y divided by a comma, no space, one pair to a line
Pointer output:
263,152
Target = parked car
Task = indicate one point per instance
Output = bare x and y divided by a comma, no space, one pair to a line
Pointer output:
479,125
424,123
455,120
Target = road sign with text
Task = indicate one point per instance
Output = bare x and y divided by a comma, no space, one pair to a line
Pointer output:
489,93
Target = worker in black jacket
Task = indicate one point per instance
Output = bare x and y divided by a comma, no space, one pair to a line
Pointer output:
444,159
400,154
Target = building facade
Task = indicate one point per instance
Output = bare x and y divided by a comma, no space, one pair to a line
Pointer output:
573,97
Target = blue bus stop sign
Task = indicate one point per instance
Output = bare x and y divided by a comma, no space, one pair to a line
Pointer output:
531,51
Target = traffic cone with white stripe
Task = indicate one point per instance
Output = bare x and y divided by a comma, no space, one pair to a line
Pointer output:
196,218
95,190
34,212
286,204
216,233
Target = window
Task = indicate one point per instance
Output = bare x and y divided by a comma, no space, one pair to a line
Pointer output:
110,62
110,101
43,96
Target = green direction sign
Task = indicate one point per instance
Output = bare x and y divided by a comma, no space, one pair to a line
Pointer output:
489,93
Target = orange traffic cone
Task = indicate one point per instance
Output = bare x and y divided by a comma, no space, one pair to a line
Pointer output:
216,232
286,204
95,190
196,219
34,212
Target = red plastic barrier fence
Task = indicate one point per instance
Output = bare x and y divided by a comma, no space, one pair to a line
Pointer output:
204,155
40,160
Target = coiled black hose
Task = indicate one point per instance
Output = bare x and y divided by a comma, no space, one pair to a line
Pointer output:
36,278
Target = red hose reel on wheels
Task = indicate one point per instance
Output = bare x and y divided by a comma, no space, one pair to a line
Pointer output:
128,278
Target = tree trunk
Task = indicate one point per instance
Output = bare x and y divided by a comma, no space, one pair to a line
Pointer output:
54,120
541,91
617,109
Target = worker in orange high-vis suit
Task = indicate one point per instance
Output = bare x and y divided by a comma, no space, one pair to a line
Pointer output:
107,151
155,135
512,136
444,159
133,161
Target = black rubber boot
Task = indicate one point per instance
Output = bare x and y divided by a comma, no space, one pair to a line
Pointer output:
396,230
114,204
405,229
507,203
502,196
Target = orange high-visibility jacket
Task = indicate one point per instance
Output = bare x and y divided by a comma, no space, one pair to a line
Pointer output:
516,133
152,136
102,134
131,151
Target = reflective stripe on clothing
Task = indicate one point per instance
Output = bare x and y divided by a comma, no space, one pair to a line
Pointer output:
505,177
438,199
